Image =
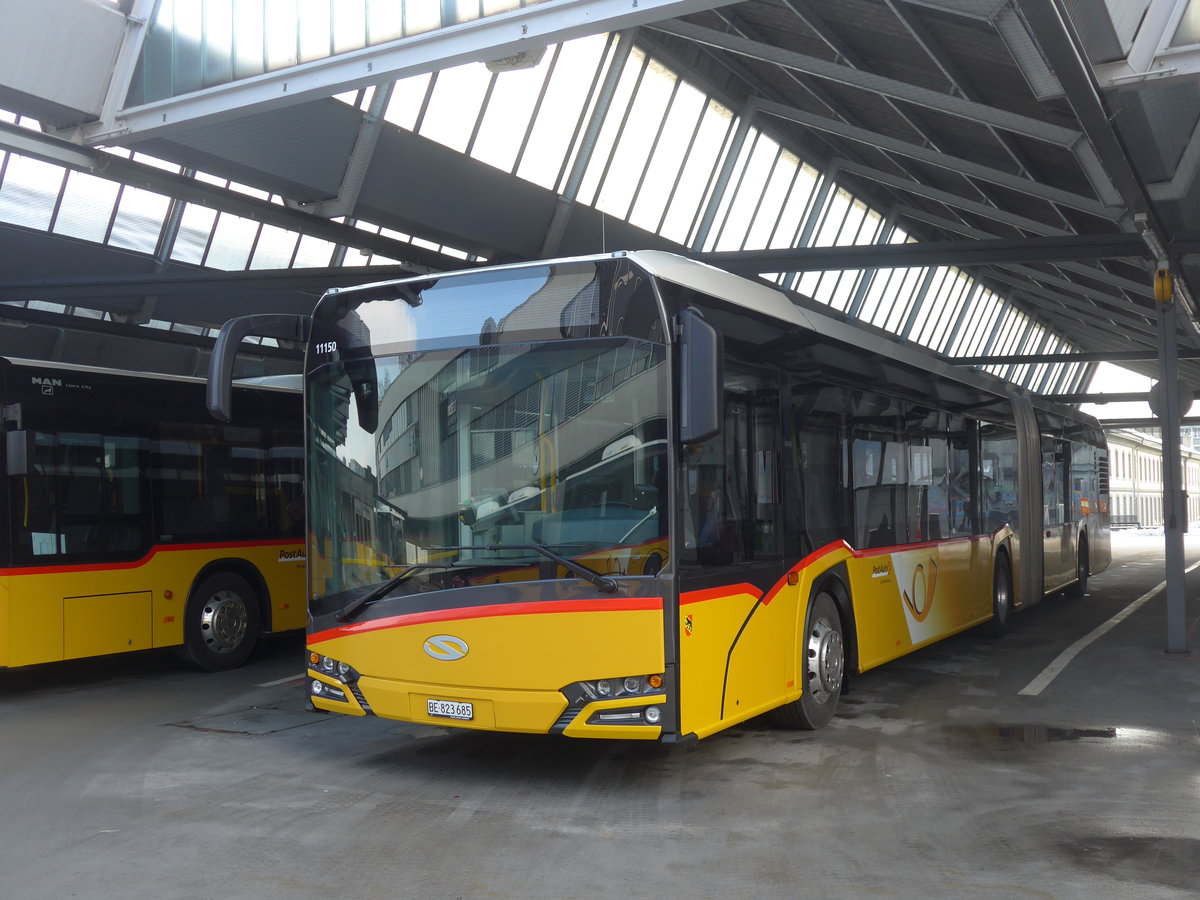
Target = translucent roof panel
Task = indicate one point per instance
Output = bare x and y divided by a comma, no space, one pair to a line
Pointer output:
195,44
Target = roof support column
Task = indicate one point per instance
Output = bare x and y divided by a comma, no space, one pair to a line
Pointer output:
562,209
1174,509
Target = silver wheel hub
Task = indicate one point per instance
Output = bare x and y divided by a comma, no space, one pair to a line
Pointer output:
1001,598
224,622
826,661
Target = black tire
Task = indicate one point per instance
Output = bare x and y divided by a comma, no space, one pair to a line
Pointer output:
824,667
221,623
1001,596
1077,590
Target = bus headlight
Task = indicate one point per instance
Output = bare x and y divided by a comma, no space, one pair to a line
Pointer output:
646,693
331,667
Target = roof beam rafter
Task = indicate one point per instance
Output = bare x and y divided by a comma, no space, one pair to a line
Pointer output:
878,84
945,161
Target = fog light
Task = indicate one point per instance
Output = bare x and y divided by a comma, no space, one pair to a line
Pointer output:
653,715
318,687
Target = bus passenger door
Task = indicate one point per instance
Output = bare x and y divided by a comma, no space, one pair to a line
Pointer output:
1058,547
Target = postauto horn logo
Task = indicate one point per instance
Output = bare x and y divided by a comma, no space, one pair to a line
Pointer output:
446,647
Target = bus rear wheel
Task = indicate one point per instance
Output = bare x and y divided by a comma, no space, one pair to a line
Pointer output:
1079,588
824,651
221,623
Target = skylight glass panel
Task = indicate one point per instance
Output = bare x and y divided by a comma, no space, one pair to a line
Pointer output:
314,29
249,39
751,184
507,115
274,248
313,251
421,16
29,191
231,242
139,219
568,98
670,152
195,229
408,97
454,105
87,205
632,153
349,24
607,139
800,194
699,170
385,20
280,46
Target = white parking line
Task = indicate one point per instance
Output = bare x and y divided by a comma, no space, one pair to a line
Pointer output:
1063,659
279,681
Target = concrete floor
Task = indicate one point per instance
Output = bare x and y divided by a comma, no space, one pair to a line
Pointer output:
135,778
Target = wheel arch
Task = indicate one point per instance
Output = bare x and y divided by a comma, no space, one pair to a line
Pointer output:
836,580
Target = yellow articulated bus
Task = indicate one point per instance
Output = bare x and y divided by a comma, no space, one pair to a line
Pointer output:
132,520
632,496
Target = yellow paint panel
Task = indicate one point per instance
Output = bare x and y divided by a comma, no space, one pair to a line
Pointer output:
510,691
707,630
105,623
912,598
35,629
527,711
558,649
760,666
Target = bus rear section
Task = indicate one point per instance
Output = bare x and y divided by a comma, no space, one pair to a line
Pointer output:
132,521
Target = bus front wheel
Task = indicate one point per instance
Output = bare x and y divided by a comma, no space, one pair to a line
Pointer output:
221,623
824,661
1001,595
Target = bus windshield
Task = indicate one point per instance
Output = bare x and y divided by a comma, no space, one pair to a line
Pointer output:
482,459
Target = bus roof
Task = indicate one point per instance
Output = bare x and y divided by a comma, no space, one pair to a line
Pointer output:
790,307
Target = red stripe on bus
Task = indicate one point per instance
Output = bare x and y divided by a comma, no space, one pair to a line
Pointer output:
718,592
154,551
544,607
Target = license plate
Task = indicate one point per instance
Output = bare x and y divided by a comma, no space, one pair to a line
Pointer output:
451,709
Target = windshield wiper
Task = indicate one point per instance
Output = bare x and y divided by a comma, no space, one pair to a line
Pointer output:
603,582
386,587
590,575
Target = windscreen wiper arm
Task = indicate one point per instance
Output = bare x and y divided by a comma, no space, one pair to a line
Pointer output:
354,606
348,611
588,574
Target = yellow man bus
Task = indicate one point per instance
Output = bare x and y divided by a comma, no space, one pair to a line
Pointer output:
132,520
632,496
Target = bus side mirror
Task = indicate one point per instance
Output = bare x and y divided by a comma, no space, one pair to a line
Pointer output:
219,395
17,446
700,378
